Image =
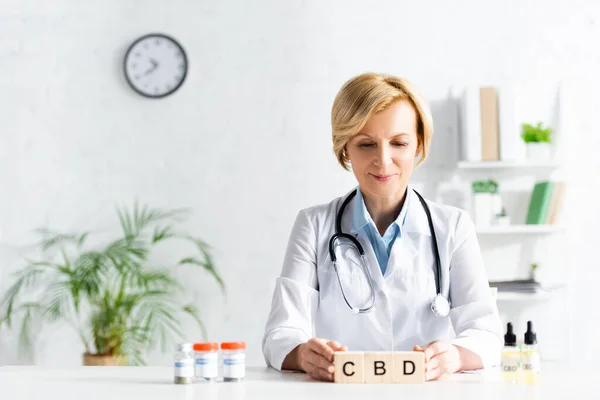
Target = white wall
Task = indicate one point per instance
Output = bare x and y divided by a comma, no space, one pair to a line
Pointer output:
246,141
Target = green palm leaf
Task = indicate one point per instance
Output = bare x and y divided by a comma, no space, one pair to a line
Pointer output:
58,301
208,265
51,239
192,311
162,233
25,279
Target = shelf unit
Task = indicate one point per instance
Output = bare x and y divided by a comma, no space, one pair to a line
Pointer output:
527,297
519,229
472,165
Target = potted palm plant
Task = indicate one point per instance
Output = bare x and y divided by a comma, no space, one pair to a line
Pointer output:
538,141
118,301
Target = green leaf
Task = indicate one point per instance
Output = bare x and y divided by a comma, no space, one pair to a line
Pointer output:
26,278
25,343
67,267
59,300
535,133
87,278
125,223
25,334
155,280
140,218
208,265
82,239
192,311
51,239
162,234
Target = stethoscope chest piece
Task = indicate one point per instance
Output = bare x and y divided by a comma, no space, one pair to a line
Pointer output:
440,306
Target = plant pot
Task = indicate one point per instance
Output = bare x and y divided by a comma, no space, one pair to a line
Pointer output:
482,209
103,360
539,151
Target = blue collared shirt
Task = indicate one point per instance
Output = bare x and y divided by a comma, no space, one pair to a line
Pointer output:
382,245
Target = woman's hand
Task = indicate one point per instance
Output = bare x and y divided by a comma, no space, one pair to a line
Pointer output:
315,357
441,359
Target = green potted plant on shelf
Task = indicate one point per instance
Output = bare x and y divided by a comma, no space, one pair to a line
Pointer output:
120,303
538,141
533,269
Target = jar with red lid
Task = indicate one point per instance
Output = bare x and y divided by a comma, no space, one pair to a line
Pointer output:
233,355
206,361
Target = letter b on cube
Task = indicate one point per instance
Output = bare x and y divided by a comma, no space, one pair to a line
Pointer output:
379,367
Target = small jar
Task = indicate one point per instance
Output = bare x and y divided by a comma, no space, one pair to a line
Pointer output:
184,364
207,361
234,361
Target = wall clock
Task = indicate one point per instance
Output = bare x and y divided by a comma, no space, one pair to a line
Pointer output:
155,65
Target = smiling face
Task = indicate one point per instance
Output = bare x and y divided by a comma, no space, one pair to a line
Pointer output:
382,153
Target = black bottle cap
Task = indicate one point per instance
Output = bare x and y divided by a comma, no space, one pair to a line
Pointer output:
530,335
510,339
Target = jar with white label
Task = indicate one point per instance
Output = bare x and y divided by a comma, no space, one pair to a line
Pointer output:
184,364
233,356
207,361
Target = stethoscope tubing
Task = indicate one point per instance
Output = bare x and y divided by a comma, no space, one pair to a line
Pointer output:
340,235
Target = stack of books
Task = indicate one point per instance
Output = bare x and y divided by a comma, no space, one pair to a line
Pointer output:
545,203
518,286
489,128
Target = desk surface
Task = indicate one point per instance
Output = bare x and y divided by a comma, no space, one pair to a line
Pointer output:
104,383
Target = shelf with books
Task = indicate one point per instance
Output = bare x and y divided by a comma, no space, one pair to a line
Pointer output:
519,229
477,165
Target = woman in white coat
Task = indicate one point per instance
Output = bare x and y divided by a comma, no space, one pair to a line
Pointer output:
380,126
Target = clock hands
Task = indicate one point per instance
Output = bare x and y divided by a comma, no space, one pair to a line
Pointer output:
154,66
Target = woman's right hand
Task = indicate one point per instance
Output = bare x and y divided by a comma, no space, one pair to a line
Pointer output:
315,357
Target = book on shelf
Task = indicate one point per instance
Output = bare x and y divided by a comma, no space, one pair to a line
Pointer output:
489,127
545,203
470,124
517,286
512,148
558,194
526,286
488,99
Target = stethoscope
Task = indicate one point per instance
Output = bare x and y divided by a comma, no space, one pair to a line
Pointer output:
440,305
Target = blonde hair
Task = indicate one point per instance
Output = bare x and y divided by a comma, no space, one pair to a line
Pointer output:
369,93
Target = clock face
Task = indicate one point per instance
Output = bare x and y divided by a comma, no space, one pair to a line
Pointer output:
155,65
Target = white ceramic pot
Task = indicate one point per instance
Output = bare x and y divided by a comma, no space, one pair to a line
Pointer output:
482,207
539,151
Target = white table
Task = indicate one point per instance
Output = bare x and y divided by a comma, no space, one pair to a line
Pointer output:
149,383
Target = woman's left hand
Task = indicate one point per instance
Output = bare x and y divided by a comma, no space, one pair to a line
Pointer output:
441,359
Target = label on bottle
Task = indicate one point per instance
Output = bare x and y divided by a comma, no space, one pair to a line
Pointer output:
510,363
234,365
531,361
184,368
206,365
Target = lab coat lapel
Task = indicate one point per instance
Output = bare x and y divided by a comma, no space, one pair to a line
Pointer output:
405,248
370,258
352,255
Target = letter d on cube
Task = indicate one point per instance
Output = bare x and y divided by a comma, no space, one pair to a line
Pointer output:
409,367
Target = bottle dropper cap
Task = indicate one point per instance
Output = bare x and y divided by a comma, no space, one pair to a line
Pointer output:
510,339
530,335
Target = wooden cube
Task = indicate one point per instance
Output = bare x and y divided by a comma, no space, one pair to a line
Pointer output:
349,367
409,367
379,367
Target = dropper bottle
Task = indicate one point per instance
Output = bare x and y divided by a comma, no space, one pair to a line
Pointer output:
511,358
530,356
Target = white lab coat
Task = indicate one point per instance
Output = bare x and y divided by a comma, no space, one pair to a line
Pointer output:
307,301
